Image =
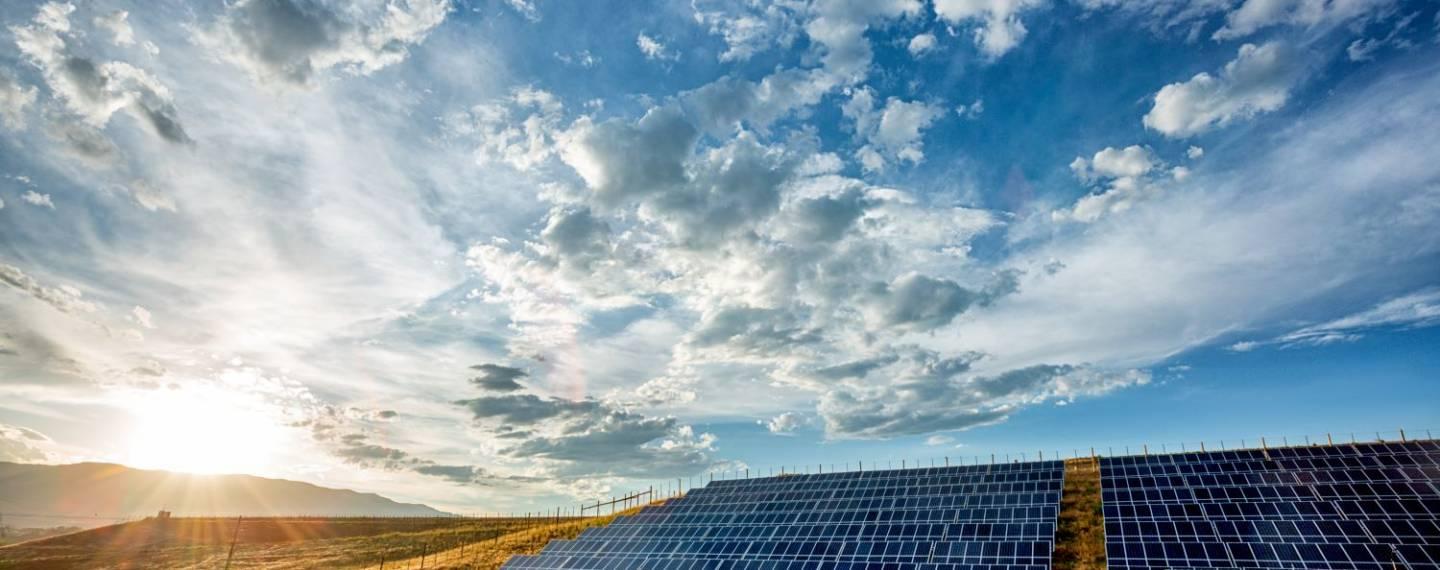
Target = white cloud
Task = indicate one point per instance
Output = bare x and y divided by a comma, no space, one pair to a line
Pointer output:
15,99
22,445
582,58
785,423
1414,310
939,440
525,8
64,298
971,111
1131,162
280,40
891,133
840,25
837,28
91,89
141,316
520,130
1194,152
955,400
620,161
1125,174
1364,49
749,27
998,28
118,24
1259,80
654,49
1255,15
921,44
1253,246
37,199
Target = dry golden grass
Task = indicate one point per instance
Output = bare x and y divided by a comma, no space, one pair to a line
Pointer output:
278,544
1080,536
491,554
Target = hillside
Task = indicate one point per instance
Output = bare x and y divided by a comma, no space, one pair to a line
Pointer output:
47,495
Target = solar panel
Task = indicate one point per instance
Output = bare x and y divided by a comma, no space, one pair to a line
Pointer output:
985,517
1361,506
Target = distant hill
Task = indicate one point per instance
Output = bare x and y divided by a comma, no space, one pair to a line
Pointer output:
83,493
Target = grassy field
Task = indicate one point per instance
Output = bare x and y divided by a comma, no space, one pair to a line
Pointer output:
1080,536
295,543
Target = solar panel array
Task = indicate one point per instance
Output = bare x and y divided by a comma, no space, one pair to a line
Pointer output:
1366,506
985,517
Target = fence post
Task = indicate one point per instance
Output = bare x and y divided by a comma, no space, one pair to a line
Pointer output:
233,538
1402,435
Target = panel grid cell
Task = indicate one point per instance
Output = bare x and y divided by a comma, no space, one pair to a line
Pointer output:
990,517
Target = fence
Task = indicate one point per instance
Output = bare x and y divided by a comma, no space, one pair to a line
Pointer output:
1141,448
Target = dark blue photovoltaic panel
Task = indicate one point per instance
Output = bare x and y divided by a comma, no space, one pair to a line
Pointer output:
1360,506
984,517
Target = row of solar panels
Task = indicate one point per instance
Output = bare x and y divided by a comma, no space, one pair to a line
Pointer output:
1347,507
1365,506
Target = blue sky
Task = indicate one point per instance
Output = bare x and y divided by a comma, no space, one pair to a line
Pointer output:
516,254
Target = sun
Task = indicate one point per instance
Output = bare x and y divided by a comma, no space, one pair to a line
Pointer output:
202,430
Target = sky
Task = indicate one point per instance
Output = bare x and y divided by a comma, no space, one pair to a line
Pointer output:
510,255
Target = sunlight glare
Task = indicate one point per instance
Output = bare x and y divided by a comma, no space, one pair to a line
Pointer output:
206,431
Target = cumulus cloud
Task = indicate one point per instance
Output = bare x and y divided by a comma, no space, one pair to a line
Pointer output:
947,402
1255,15
37,199
15,99
65,298
520,130
354,449
95,90
1258,80
751,331
118,24
837,28
577,238
892,132
22,445
840,26
785,423
142,317
921,44
525,8
497,378
1124,179
654,48
998,28
292,41
591,437
620,161
918,302
749,27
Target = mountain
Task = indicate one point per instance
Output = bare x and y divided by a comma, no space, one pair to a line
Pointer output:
85,494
